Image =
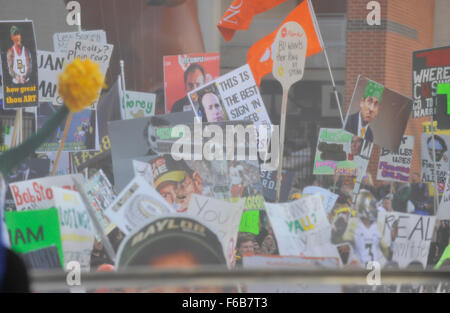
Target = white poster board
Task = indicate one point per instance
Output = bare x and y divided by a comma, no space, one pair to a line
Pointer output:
396,166
50,65
138,104
61,40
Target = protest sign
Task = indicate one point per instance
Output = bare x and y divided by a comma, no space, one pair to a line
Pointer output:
378,114
430,68
134,140
136,205
33,230
19,64
184,73
37,193
269,182
301,227
233,96
44,258
224,218
61,40
396,166
108,109
414,236
442,143
250,222
138,104
82,134
100,193
443,212
275,263
50,65
328,198
77,232
336,152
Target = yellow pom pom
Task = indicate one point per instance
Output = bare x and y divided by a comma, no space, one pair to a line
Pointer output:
80,83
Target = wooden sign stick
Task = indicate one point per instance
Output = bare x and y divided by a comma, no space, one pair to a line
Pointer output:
61,145
16,126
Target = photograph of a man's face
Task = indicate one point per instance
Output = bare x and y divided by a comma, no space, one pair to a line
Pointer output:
440,147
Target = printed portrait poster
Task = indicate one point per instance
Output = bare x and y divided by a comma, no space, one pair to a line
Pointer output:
378,114
442,144
414,236
430,68
135,140
336,153
82,134
19,64
50,65
184,73
396,166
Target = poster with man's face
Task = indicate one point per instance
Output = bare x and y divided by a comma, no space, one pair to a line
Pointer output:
378,114
19,64
441,146
184,73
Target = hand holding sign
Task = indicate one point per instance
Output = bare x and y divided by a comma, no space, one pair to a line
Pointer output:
288,67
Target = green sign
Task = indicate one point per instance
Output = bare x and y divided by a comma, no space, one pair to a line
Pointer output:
444,89
250,222
32,230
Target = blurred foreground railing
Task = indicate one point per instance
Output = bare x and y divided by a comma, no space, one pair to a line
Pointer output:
43,281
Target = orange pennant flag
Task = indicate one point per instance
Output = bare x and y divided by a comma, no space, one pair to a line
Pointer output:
240,13
259,56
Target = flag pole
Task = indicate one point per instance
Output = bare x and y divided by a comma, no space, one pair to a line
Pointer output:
282,131
327,60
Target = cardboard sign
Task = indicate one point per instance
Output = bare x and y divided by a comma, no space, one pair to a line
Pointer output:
61,40
77,231
328,198
336,153
33,230
301,227
413,238
442,145
50,65
430,68
37,193
233,96
269,183
101,194
378,114
224,218
290,262
443,212
19,64
42,259
138,104
82,134
396,166
184,73
136,205
289,54
108,109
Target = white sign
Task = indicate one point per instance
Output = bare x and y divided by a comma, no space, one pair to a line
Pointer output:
100,53
396,166
414,236
61,40
301,227
442,146
37,193
443,212
225,217
289,54
50,65
289,262
138,104
136,205
77,231
328,198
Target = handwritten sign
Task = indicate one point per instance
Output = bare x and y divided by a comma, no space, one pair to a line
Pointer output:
443,212
442,145
138,104
50,65
61,40
396,166
328,198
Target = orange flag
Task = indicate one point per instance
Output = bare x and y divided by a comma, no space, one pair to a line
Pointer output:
259,56
240,13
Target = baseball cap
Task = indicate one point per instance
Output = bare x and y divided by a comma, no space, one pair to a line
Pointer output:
14,30
374,89
165,168
170,234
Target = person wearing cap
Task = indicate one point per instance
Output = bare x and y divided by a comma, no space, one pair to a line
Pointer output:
175,181
440,147
370,104
19,58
